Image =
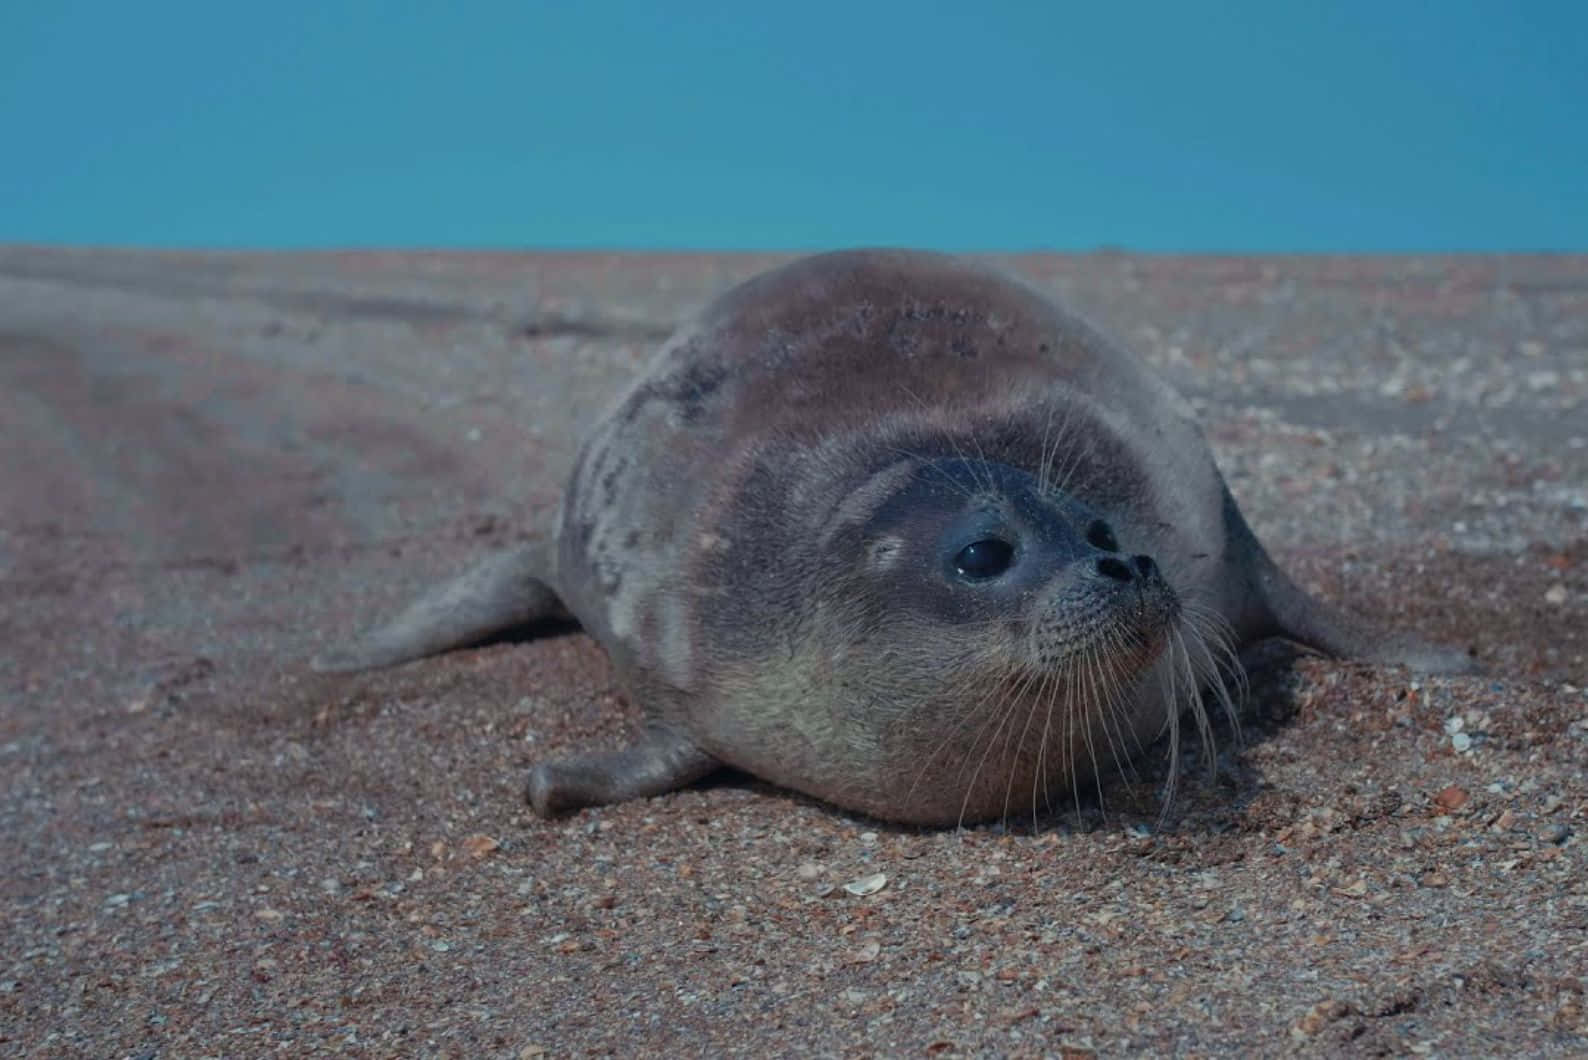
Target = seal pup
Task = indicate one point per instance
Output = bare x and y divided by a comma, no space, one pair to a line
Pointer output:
894,530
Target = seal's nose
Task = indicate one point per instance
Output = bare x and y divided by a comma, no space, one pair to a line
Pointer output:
1117,569
1110,567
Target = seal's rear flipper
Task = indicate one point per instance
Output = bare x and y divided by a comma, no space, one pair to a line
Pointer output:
510,589
662,760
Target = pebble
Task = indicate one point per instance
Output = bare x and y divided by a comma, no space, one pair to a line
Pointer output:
867,953
478,846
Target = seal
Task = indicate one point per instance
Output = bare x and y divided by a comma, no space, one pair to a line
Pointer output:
893,530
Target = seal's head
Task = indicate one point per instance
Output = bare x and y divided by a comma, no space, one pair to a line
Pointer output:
974,641
1017,573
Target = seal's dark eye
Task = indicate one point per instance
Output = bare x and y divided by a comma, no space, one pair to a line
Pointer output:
986,558
1098,535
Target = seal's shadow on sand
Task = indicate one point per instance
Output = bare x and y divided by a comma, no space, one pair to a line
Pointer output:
541,629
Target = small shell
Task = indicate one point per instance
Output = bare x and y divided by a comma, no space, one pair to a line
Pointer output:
867,884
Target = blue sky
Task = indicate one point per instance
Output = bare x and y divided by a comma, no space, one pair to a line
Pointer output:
1165,127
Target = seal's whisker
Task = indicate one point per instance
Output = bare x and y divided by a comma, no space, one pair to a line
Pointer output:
991,710
1046,481
932,463
972,465
1051,740
1023,757
1015,761
981,463
1078,456
1100,703
1199,714
970,786
1119,733
1217,676
1204,646
1075,716
1093,712
1169,677
1220,637
1189,702
971,692
1010,708
1113,702
1047,695
1044,454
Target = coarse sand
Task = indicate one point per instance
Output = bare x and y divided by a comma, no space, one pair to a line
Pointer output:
212,465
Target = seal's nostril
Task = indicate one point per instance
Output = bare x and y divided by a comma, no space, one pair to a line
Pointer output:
1109,567
1145,566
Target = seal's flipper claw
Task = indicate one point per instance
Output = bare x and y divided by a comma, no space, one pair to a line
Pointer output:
662,760
510,589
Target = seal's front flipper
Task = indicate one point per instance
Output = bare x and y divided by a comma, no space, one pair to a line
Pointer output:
662,760
510,589
1281,608
1312,622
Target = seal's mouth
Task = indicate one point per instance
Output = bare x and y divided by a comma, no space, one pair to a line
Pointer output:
1120,626
1080,688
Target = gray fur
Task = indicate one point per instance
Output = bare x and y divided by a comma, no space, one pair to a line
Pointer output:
509,589
750,533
